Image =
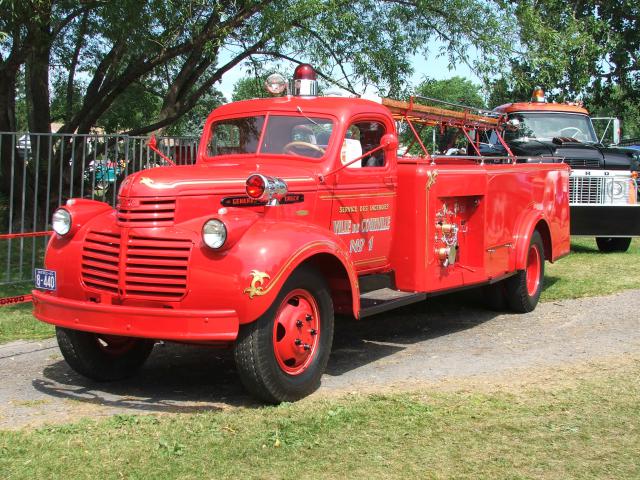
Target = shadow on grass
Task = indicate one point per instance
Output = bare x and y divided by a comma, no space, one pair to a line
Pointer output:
180,378
549,282
580,248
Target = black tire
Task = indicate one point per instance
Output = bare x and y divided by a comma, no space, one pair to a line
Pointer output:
255,353
495,296
613,244
519,298
103,357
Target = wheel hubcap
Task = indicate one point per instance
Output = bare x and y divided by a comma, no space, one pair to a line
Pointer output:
533,270
296,332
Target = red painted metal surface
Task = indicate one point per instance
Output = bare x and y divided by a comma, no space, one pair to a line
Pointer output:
7,236
7,301
296,332
541,107
143,270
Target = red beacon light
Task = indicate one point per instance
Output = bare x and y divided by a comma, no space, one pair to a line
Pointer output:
305,80
538,95
266,189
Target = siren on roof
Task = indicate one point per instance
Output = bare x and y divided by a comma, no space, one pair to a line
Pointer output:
305,80
538,95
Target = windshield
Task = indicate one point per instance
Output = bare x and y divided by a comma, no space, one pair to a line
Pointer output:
299,136
546,126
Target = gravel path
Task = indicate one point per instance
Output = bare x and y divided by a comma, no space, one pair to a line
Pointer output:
451,338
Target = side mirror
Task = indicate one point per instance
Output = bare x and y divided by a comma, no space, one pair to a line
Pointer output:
389,142
512,124
616,131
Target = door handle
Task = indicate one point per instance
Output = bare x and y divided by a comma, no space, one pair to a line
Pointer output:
389,180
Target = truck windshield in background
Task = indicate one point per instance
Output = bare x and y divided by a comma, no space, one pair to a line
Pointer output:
546,126
299,136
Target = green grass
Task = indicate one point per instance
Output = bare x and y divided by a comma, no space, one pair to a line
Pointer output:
587,428
16,321
586,272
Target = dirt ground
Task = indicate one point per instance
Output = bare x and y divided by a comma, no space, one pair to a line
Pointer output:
450,342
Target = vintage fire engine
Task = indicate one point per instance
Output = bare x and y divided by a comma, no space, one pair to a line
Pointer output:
603,189
297,207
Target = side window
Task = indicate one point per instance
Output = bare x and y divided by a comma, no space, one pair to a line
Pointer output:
362,137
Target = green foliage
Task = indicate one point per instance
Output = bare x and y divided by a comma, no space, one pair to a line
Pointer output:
141,66
192,123
250,87
587,50
456,90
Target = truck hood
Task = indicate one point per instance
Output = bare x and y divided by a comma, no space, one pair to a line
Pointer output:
205,179
577,155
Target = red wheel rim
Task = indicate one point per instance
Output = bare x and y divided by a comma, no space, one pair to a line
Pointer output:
533,270
296,332
114,345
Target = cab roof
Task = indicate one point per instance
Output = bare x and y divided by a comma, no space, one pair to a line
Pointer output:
541,107
340,107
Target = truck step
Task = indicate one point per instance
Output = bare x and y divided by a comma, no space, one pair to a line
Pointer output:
383,299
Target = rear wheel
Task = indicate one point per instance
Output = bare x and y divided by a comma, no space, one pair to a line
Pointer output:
524,288
613,244
103,357
282,355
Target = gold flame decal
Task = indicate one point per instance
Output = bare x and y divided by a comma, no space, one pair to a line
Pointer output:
257,282
431,178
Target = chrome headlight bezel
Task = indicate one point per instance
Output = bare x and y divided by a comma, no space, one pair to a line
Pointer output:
61,221
214,233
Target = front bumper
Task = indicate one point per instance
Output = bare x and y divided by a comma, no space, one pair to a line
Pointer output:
144,322
605,220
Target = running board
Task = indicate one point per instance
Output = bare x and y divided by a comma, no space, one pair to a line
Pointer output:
384,299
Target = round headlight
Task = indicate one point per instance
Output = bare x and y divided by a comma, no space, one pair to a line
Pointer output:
617,189
214,233
61,221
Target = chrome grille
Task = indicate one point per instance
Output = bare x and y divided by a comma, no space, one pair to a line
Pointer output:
587,190
154,212
100,261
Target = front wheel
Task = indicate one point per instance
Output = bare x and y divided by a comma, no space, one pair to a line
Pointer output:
524,288
282,355
613,244
103,357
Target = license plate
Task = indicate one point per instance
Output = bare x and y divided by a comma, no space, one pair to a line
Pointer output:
45,279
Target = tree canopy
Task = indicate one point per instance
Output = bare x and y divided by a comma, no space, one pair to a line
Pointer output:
106,60
588,50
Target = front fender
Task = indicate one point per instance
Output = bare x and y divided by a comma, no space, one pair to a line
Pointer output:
271,251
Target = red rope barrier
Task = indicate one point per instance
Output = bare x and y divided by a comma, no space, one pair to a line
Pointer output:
4,302
6,236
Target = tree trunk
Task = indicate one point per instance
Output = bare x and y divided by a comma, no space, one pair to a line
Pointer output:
37,83
7,124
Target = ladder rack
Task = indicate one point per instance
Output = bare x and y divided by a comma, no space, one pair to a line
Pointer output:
470,124
433,116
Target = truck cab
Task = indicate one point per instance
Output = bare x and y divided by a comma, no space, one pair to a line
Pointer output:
296,208
603,184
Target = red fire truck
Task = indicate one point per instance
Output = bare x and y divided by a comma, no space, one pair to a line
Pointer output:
297,207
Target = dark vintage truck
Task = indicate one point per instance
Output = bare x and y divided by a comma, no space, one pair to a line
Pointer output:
603,186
